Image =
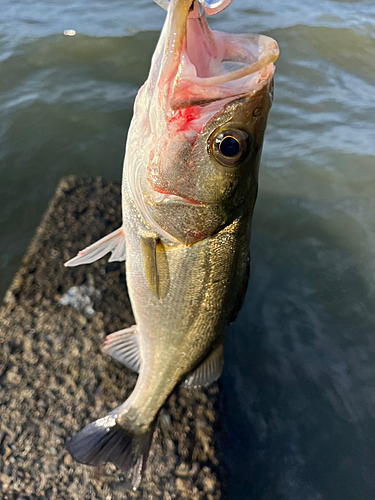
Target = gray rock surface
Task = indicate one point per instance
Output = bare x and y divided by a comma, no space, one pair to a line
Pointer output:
54,379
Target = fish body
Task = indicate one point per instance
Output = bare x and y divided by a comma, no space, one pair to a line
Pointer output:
177,332
189,188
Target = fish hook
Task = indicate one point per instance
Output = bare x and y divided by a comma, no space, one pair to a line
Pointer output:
210,7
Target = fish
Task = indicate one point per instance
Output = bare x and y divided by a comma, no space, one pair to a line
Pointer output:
190,182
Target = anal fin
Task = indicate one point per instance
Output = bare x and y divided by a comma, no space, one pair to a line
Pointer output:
113,242
208,371
123,346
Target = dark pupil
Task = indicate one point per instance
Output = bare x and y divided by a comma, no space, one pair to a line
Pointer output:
229,147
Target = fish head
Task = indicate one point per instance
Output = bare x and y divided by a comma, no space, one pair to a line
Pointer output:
195,141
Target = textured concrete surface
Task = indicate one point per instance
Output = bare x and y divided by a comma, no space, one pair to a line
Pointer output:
54,379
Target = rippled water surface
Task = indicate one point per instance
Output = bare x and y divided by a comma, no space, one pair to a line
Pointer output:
299,378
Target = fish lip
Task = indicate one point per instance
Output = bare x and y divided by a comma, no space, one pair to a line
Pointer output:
177,16
211,8
268,55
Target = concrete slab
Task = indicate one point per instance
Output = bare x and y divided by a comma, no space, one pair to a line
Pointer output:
54,379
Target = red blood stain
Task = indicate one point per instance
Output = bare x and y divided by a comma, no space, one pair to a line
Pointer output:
183,117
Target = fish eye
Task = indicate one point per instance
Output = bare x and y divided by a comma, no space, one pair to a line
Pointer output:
230,147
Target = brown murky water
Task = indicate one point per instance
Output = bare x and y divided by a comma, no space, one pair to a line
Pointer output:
299,378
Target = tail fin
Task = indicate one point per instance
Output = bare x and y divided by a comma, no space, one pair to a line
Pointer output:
106,441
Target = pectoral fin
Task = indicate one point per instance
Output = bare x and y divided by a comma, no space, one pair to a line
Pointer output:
123,346
208,371
155,265
114,242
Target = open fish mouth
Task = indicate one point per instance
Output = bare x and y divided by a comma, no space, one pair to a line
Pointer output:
204,66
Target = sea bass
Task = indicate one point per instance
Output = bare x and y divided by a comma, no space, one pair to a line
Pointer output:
189,188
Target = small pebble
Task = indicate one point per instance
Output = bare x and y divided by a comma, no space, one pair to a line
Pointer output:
182,470
180,484
208,485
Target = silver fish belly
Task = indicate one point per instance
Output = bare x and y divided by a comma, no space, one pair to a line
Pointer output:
189,188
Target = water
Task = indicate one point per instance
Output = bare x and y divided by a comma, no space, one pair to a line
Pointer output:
299,378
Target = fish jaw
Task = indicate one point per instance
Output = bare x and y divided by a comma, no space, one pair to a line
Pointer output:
196,76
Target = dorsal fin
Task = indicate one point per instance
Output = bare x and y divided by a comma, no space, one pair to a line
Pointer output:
208,371
114,242
123,346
